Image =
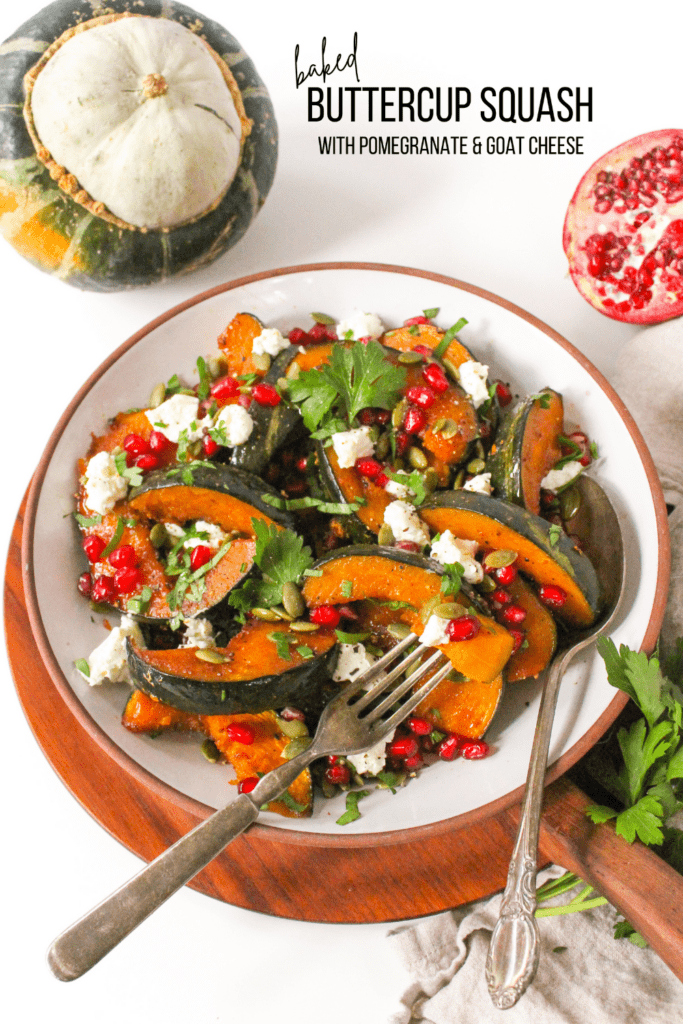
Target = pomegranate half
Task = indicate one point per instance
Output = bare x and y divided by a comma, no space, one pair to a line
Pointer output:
623,233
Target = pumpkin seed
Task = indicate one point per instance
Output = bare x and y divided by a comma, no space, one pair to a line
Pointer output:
296,747
430,480
265,614
459,479
481,454
195,449
261,361
399,630
452,368
500,558
281,614
373,433
449,429
158,535
439,425
292,727
428,607
292,600
324,318
488,584
410,357
382,447
385,535
476,466
570,502
417,458
211,751
399,412
282,383
301,626
447,610
158,395
217,365
293,370
209,654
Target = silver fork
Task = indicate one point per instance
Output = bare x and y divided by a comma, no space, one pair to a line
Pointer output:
346,726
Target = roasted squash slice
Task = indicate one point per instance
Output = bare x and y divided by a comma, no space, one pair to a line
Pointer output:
464,707
540,634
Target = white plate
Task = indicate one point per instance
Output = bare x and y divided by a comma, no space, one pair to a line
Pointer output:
517,348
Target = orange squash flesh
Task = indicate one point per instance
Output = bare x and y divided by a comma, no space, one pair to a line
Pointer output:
236,343
465,707
454,405
540,633
404,339
250,654
531,560
353,487
145,714
374,576
181,504
541,447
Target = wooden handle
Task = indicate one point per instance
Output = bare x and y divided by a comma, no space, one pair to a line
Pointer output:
642,887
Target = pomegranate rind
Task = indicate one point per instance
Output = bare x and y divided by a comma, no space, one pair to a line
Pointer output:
582,222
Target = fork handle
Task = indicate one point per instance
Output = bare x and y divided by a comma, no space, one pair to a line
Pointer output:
84,944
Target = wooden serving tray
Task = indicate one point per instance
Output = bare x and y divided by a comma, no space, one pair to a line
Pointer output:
399,878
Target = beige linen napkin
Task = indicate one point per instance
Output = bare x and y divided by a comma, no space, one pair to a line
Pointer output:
585,974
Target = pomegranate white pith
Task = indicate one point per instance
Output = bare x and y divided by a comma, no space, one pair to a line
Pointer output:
623,233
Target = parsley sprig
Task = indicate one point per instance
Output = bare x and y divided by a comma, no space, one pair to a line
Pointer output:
282,558
357,377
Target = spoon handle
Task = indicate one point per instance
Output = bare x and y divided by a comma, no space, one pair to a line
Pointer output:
514,949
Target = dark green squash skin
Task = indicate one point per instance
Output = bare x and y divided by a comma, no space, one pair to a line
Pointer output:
117,258
505,466
534,529
356,531
308,687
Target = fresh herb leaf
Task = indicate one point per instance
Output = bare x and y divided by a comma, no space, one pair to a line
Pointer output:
305,651
554,534
282,558
543,398
440,350
350,638
139,605
431,313
186,472
282,642
325,507
133,474
347,589
115,538
352,813
451,581
204,388
87,521
414,482
83,667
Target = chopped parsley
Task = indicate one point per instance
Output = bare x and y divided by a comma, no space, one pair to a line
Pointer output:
554,534
282,558
87,521
451,580
204,388
441,348
352,813
189,584
334,508
133,474
83,667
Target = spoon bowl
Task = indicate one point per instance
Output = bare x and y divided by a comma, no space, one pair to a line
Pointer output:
515,943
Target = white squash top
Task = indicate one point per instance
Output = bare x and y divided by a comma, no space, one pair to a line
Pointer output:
138,110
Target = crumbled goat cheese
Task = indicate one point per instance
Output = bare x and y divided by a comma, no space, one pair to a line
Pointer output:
371,761
481,484
177,414
109,661
405,523
236,422
399,490
198,633
434,634
449,549
556,479
352,660
360,325
213,539
473,377
350,445
103,485
269,342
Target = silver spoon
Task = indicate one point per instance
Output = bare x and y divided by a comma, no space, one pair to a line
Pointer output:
514,950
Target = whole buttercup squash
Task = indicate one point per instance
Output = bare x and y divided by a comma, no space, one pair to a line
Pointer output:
137,142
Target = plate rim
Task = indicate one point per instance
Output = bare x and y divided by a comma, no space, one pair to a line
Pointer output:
282,834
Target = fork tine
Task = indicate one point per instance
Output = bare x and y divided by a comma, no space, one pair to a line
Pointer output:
412,702
385,681
376,712
372,673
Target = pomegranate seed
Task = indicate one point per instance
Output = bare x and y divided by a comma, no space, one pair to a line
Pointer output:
551,595
506,574
224,389
464,628
422,396
85,584
135,445
413,762
501,596
332,759
503,393
415,320
244,401
147,462
449,747
201,554
297,336
102,589
367,417
473,750
518,638
370,468
347,612
435,377
422,350
295,488
402,442
158,442
325,615
127,579
266,394
323,332
292,715
420,726
241,732
93,547
415,420
338,774
382,480
302,464
404,746
514,614
123,556
382,416
407,545
247,785
209,446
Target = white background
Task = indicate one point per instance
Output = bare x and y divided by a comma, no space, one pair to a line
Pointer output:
493,221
